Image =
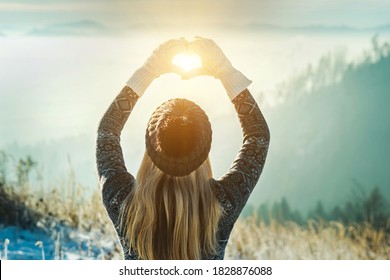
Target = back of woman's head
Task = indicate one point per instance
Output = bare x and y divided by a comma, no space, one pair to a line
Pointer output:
172,212
178,137
168,217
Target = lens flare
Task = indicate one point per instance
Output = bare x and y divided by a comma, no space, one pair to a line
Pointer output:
187,62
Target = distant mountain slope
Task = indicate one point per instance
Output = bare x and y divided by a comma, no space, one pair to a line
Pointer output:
83,27
318,29
327,141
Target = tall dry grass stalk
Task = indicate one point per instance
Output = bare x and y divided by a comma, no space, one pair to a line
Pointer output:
6,243
40,245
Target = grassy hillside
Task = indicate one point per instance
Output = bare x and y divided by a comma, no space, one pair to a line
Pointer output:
62,223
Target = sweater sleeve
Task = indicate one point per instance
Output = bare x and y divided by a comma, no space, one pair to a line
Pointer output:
114,179
233,188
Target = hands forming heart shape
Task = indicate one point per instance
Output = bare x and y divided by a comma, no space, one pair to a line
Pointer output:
188,59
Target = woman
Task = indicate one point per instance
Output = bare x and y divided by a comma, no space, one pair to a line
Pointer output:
175,209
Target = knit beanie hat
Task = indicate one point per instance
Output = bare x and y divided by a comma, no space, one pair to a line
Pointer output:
178,137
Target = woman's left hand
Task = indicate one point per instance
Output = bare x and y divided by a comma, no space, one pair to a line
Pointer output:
160,62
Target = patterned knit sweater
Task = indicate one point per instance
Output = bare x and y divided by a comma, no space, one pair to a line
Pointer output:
232,189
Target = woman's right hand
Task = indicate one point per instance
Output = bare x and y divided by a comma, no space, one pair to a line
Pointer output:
158,63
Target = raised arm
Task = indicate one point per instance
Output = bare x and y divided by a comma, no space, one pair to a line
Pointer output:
114,179
233,189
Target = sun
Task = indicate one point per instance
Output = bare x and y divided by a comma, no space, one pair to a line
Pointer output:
187,62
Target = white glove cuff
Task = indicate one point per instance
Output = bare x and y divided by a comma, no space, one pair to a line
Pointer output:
140,81
234,82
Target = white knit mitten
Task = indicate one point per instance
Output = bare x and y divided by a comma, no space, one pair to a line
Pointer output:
140,80
234,82
160,62
216,64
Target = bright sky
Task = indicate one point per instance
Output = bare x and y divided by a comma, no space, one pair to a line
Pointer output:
192,14
68,65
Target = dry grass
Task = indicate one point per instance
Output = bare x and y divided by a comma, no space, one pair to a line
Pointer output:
317,241
66,206
250,238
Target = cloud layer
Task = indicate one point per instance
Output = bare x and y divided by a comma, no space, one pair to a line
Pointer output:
121,13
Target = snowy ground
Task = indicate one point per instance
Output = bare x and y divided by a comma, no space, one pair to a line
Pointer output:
61,243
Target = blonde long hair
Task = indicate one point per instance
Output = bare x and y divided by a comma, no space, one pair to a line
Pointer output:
167,217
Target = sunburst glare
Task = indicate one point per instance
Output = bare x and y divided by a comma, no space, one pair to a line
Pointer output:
187,62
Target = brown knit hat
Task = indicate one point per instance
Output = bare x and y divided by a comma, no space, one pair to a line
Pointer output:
178,137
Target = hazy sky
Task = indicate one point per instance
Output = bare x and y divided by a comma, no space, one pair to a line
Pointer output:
46,61
220,13
54,89
49,63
